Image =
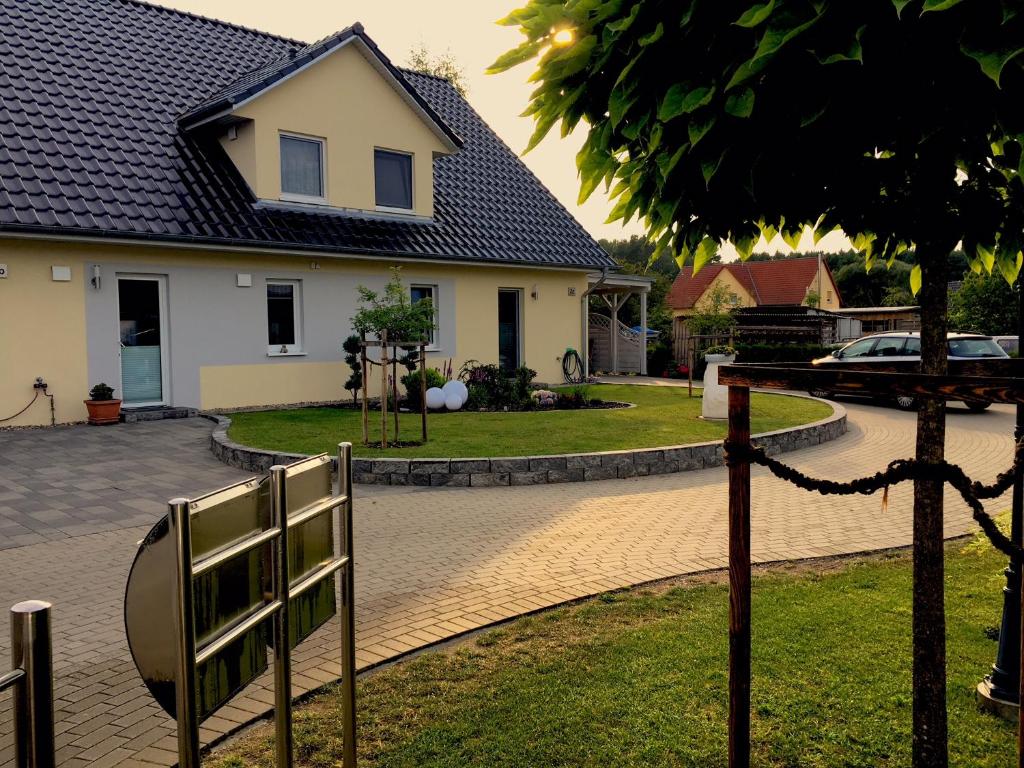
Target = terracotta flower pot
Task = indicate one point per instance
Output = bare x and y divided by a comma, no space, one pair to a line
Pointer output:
103,411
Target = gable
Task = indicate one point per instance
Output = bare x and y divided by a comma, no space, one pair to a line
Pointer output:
727,279
345,102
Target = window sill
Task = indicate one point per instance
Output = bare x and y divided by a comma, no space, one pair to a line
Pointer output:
304,199
400,211
295,353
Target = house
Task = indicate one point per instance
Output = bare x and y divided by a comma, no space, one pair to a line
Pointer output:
187,208
783,282
794,283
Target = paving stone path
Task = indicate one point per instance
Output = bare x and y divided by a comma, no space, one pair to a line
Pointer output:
430,564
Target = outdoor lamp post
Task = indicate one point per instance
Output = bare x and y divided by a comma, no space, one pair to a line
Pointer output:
1000,690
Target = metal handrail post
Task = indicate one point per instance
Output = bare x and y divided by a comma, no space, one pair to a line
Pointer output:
282,636
185,688
32,652
348,612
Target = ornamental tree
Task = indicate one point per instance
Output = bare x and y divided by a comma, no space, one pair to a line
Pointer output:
899,122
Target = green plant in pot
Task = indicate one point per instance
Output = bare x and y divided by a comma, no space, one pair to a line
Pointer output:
102,407
720,353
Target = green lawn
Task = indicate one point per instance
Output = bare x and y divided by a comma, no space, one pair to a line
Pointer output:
639,679
663,416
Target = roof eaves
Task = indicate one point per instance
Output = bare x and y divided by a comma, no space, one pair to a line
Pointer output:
231,243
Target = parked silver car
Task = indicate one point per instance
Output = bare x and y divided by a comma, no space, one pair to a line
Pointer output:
899,346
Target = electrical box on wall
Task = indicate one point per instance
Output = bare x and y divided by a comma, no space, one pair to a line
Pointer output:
61,274
244,281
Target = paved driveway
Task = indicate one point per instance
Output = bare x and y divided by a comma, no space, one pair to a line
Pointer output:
430,564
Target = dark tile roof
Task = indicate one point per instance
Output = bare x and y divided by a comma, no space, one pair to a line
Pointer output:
90,96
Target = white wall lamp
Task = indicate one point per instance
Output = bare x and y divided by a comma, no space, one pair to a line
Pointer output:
534,293
95,277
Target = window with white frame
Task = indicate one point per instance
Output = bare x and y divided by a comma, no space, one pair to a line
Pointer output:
302,169
418,293
284,317
393,179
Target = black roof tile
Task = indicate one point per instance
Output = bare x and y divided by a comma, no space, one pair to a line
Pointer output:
90,95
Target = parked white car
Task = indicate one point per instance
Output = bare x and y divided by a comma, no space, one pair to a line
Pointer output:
900,346
1010,344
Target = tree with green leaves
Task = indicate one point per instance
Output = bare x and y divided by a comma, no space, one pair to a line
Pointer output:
443,65
984,304
393,313
717,121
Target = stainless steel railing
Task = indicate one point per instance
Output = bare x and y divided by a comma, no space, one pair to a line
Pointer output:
283,590
32,684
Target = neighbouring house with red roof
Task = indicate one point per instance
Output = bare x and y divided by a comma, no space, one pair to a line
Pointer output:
787,282
783,283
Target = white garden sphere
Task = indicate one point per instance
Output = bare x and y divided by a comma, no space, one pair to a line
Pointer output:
435,398
454,402
456,388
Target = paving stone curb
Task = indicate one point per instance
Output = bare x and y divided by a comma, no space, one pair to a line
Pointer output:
534,470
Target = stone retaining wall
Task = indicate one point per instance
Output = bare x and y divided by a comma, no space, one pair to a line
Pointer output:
534,470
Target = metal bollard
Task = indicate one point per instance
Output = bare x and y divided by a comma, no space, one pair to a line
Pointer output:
185,674
32,652
284,738
348,614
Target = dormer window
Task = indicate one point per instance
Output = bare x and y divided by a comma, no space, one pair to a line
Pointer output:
302,169
393,180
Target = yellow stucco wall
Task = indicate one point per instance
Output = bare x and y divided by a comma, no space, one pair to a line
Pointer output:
346,101
724,278
550,323
829,292
234,386
42,333
43,323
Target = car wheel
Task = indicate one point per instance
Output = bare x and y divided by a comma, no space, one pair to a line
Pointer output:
977,407
822,393
906,402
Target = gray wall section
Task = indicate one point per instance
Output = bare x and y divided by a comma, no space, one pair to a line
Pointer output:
214,322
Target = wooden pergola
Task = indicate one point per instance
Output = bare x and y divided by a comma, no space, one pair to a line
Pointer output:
615,290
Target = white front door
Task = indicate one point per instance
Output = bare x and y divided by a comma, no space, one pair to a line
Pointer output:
142,323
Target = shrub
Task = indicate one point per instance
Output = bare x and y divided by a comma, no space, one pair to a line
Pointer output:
659,357
491,387
411,382
575,397
101,392
353,349
780,353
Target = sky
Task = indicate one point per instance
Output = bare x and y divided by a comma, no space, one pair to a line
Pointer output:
468,30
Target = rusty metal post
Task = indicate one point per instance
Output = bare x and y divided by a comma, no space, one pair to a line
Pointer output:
32,653
739,582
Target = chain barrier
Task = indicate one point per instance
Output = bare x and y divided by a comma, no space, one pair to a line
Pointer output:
899,471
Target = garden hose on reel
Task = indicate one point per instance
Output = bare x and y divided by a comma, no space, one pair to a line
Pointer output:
572,367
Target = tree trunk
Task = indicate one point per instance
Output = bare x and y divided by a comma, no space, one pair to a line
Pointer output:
930,736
